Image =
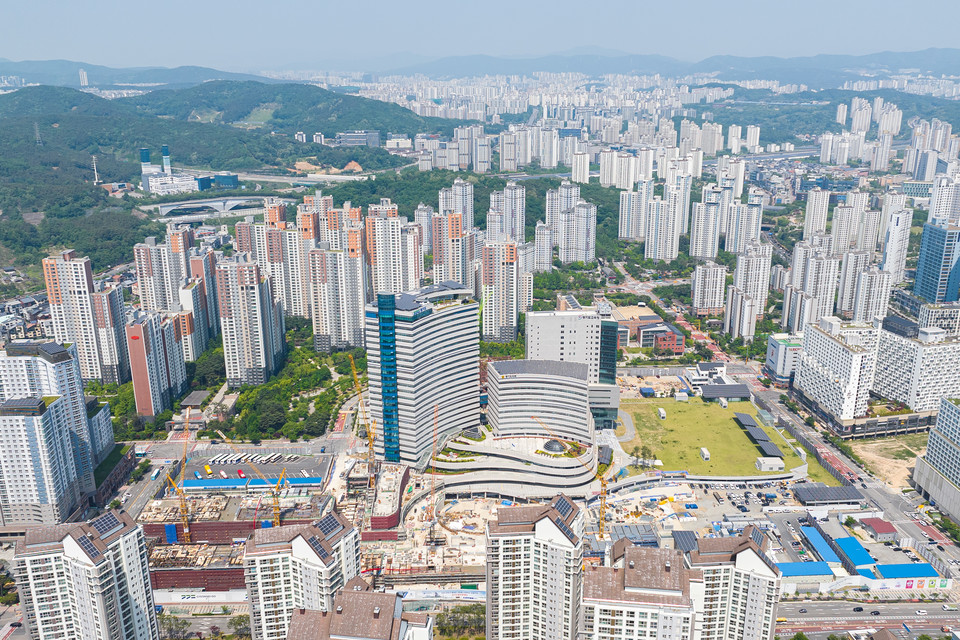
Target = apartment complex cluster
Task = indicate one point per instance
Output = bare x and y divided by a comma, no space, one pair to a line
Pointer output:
538,585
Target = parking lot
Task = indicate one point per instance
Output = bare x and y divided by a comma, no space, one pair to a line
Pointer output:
297,465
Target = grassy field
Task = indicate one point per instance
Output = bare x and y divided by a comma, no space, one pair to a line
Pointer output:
694,424
891,458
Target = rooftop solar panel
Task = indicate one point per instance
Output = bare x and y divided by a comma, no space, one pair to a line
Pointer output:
106,524
316,546
816,493
563,506
329,525
770,450
564,528
685,540
88,547
757,434
746,419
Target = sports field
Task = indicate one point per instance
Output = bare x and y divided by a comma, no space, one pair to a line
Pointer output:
694,424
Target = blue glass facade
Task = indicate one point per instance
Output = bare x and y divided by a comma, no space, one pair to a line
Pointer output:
387,325
938,272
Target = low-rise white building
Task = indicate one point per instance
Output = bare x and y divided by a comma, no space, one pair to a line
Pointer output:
783,350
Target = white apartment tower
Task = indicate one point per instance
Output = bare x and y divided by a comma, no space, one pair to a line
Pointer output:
543,247
872,295
836,367
662,236
394,255
937,472
740,315
30,369
577,233
500,283
752,275
815,218
251,322
854,263
297,567
704,231
633,211
896,243
512,203
459,199
558,200
706,291
581,167
535,572
337,295
101,576
918,371
82,318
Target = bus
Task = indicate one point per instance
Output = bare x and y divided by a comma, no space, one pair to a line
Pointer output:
197,475
717,497
155,474
223,474
208,470
217,459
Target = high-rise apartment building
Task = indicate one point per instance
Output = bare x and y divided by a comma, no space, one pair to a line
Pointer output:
740,314
581,167
872,295
162,268
576,233
203,268
566,196
280,252
853,264
512,203
76,319
810,296
704,231
543,247
706,288
450,249
251,322
41,484
815,218
423,353
337,296
835,370
917,368
31,369
895,244
156,362
633,211
393,254
500,285
459,199
86,580
752,275
297,567
662,236
535,572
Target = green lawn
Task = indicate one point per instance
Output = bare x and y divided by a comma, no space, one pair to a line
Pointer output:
104,468
694,424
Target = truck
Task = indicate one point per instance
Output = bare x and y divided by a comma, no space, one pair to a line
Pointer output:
196,474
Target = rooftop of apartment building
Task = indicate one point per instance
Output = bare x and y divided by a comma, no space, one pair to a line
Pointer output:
648,575
321,537
518,520
93,537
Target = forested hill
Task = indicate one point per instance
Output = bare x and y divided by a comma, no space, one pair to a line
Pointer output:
286,108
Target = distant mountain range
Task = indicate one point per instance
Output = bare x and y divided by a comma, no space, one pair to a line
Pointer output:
821,71
66,73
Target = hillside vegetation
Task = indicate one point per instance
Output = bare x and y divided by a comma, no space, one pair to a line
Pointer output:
285,108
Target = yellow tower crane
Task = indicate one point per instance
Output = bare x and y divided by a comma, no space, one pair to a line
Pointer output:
599,476
274,492
371,426
184,507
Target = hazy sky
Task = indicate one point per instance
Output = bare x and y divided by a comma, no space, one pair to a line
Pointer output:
243,35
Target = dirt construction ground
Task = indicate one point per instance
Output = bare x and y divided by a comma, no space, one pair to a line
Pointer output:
892,459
